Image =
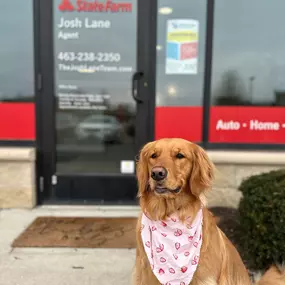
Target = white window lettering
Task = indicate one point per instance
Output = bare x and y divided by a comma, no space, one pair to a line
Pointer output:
97,24
68,36
264,126
231,125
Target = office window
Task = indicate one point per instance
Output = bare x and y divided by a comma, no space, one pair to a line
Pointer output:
248,75
181,34
16,70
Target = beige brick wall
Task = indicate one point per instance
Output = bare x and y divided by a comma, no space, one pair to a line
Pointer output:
233,167
17,178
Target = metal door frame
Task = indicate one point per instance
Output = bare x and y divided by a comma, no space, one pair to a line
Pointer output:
45,99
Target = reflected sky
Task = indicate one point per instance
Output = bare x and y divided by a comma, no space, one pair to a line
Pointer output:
249,38
16,48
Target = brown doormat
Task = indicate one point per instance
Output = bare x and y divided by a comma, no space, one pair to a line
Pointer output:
79,233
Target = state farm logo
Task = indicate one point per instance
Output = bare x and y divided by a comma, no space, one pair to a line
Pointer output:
94,6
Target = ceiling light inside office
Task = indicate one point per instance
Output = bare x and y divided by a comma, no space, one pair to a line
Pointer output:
165,10
172,91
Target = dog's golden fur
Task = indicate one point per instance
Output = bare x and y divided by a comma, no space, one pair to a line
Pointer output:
191,171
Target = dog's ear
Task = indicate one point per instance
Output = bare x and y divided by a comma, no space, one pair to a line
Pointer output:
202,173
142,169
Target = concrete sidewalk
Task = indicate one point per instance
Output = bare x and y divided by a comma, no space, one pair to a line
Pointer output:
39,266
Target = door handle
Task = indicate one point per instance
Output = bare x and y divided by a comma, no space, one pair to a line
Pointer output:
135,80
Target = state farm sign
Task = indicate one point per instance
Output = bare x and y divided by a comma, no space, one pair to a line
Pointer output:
94,6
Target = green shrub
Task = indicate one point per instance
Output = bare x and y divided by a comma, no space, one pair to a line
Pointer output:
262,219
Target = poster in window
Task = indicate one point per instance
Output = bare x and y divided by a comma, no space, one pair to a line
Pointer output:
182,46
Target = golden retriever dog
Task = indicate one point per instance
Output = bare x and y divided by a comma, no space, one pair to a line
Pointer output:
173,175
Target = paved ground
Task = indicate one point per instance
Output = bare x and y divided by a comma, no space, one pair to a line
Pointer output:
61,266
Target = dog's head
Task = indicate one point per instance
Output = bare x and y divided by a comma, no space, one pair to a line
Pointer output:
169,168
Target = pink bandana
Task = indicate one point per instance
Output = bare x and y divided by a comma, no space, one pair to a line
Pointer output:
172,248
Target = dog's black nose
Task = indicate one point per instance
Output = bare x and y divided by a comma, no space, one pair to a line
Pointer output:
158,173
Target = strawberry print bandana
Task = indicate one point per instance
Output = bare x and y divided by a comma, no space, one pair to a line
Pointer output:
173,248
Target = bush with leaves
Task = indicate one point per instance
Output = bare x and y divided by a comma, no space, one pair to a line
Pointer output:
262,219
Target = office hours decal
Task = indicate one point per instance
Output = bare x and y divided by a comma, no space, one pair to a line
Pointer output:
182,46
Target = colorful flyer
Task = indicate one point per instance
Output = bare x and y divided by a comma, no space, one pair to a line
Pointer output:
182,46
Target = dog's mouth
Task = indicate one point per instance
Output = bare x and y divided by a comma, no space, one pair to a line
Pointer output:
164,190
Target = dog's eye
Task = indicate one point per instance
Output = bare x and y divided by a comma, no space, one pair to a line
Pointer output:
154,155
179,155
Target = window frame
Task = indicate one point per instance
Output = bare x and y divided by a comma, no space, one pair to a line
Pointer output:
23,142
208,92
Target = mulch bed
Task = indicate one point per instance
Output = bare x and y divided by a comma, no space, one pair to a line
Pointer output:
229,223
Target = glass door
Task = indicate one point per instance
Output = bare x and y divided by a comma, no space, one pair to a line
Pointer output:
100,98
95,54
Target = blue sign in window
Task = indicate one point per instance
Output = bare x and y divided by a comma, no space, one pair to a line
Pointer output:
172,50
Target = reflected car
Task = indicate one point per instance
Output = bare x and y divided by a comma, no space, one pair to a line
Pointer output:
65,121
104,128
